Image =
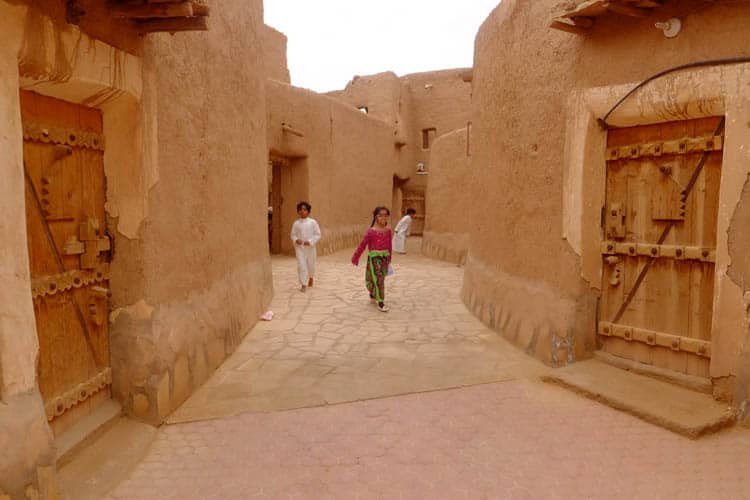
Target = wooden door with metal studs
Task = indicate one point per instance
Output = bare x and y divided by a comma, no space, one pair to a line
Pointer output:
659,247
69,251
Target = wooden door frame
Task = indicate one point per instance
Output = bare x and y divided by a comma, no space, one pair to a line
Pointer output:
715,91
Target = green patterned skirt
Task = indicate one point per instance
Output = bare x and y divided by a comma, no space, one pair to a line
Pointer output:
377,267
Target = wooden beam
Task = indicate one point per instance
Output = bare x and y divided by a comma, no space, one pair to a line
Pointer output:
200,9
627,10
288,128
646,3
567,27
157,10
172,25
589,8
583,22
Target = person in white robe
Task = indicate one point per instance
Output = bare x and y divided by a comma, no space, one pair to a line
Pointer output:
305,235
402,231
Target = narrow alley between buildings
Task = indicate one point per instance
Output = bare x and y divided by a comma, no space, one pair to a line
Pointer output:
334,399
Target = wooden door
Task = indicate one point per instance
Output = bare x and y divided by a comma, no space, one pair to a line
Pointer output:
68,253
415,201
659,249
275,199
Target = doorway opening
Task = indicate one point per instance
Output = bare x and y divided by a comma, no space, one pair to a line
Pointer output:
287,185
397,194
415,200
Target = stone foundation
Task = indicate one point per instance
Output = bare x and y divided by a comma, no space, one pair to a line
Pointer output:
339,239
450,247
161,355
533,316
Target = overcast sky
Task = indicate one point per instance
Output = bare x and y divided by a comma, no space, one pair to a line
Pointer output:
332,40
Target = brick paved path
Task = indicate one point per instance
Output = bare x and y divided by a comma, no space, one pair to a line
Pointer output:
516,438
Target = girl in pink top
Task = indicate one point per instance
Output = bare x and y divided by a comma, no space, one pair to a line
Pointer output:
377,239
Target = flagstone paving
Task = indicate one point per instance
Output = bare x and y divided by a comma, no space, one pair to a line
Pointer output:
331,345
509,436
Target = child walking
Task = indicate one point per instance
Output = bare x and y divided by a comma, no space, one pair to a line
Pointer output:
305,234
402,231
377,240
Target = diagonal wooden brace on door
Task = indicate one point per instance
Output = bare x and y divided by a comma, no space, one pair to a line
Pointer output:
88,245
58,259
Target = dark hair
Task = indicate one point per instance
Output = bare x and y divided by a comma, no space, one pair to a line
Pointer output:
304,204
376,212
410,211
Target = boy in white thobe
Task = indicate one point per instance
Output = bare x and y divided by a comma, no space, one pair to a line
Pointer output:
402,231
305,234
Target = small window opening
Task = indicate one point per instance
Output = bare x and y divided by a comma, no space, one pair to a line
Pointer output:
428,135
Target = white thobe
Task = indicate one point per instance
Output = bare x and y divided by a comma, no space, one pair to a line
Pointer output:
306,229
400,233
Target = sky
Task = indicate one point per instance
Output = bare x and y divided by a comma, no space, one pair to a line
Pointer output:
330,41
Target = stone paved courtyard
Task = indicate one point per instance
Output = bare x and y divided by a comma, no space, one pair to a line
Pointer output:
334,399
331,345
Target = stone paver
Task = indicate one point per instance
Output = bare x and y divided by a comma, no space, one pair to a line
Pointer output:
330,345
515,439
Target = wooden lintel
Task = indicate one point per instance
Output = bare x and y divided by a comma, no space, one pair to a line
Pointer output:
627,10
583,22
568,27
288,128
172,25
153,10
